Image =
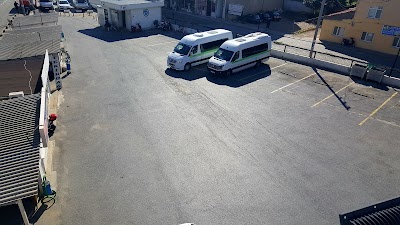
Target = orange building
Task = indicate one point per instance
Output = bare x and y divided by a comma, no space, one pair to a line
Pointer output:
374,25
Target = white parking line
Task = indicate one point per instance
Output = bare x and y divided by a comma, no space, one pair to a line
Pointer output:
293,83
341,89
263,71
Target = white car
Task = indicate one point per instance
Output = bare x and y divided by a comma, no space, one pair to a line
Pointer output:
63,5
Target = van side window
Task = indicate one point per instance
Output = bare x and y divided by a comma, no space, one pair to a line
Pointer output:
254,50
235,57
194,50
212,45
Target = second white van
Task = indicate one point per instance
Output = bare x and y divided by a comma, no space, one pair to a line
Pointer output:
198,48
241,53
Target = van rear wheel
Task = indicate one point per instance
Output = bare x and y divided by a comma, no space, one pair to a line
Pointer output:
258,63
187,66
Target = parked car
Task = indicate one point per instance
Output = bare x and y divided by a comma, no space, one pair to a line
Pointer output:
46,5
252,18
63,5
265,17
275,15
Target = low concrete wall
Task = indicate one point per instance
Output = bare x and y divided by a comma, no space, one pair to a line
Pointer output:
311,62
391,81
344,70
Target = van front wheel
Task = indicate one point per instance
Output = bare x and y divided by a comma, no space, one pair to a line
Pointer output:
228,73
187,66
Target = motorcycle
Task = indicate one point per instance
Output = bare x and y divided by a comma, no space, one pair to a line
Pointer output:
348,42
137,28
164,25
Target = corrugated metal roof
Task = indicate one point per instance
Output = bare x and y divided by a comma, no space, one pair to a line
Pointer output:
43,33
14,77
19,148
42,18
23,50
385,213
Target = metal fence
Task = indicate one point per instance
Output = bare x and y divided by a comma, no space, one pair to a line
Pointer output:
340,60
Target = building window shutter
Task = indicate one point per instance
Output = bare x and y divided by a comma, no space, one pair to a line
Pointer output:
371,12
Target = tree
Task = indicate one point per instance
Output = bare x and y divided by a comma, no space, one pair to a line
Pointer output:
331,5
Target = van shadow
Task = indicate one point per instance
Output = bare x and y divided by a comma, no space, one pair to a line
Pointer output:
191,75
241,78
113,36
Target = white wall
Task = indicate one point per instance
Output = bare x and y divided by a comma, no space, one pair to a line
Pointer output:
296,6
145,22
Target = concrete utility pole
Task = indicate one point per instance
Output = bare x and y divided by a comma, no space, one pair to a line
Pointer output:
321,11
395,61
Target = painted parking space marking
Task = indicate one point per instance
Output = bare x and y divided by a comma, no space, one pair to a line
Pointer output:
377,109
252,75
341,89
292,83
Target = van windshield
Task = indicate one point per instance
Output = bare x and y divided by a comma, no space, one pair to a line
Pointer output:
182,48
223,54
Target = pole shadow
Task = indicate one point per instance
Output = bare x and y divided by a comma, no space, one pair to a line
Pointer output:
344,104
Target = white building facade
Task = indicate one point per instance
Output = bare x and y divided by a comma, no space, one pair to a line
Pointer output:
128,13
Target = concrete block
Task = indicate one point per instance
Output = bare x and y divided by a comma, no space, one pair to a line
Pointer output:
358,71
375,74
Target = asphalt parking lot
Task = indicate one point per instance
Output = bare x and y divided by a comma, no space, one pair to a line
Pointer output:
279,144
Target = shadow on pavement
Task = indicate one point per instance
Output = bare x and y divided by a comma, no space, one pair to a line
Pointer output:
370,84
343,102
186,75
241,78
10,215
373,57
113,36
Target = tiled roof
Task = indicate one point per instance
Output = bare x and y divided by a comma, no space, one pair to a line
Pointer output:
19,148
36,34
23,50
14,77
342,15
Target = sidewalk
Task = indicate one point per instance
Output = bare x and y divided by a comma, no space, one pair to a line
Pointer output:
202,23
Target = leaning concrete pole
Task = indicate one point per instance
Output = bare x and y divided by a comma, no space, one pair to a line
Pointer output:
321,11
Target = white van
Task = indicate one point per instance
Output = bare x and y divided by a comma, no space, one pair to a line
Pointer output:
195,49
241,53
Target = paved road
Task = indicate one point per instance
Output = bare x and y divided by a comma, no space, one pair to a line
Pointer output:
139,144
5,7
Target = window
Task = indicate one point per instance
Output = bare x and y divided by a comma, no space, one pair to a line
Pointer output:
338,31
194,50
375,12
396,42
254,50
367,36
212,45
235,57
